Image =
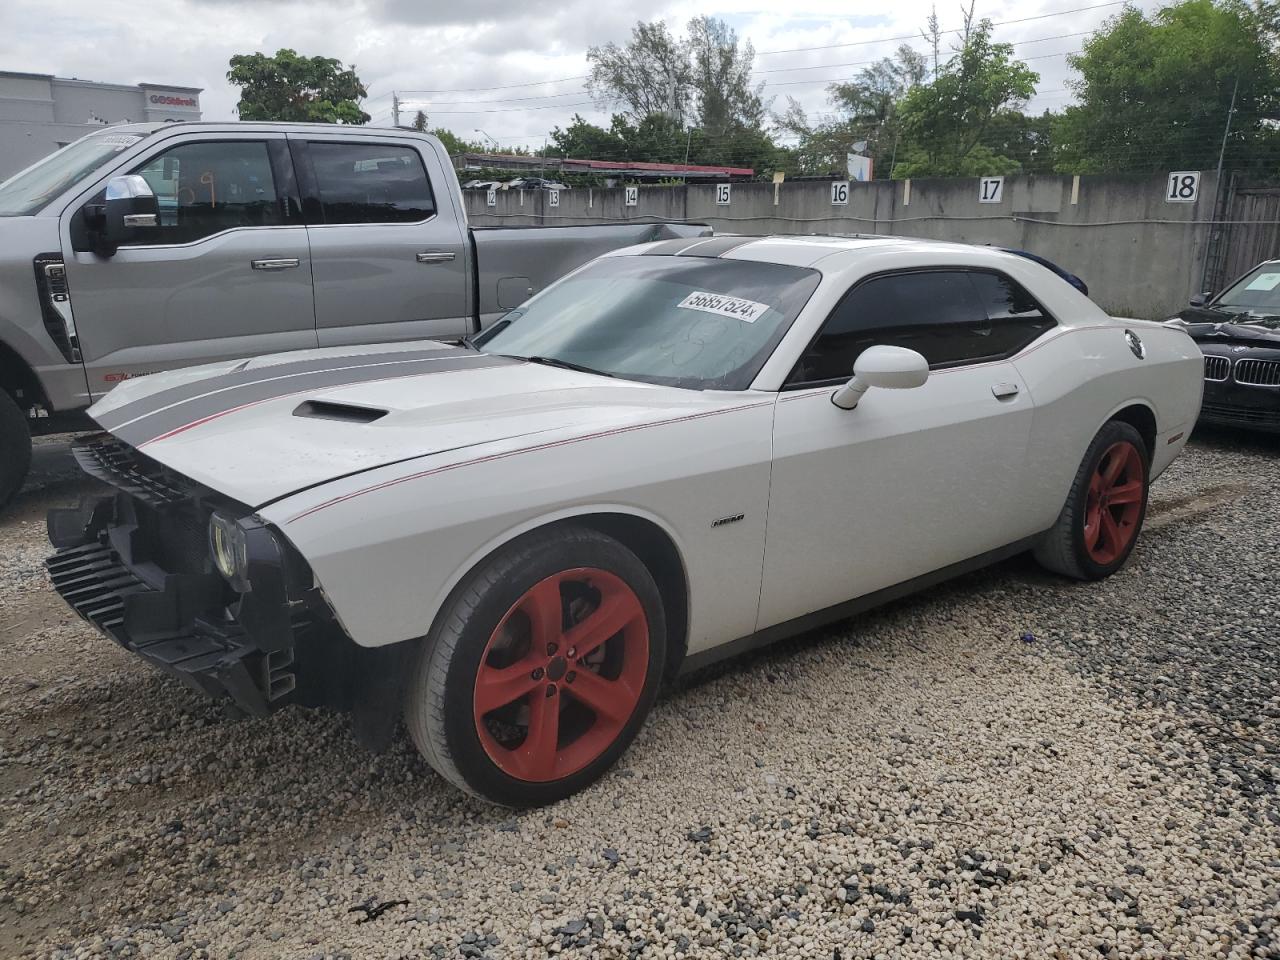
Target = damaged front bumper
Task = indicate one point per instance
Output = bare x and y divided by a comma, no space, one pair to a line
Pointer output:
136,565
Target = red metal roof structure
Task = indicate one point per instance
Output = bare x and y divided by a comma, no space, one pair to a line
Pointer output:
626,169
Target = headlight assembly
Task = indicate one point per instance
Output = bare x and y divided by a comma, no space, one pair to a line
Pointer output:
227,544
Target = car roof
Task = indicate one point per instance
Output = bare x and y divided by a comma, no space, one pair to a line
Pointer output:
834,252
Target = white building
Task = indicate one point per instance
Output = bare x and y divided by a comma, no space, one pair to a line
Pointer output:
40,113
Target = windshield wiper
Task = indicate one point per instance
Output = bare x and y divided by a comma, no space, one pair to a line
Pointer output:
566,365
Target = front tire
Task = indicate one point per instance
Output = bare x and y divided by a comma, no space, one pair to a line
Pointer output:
540,669
15,448
1100,522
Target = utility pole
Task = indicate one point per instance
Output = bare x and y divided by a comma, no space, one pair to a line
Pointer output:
688,138
1215,229
395,109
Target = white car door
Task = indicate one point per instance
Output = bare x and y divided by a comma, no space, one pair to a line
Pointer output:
910,481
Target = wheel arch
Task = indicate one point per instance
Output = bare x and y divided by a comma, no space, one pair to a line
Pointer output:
644,534
18,379
1139,415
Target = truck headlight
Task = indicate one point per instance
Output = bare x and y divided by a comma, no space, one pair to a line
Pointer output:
227,544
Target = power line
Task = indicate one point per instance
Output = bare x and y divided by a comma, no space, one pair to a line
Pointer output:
770,53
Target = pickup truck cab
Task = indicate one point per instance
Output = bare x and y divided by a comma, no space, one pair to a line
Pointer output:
145,247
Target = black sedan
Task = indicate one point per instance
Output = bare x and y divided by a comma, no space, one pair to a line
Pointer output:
1239,333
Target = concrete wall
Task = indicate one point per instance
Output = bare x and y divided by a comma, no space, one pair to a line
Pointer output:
1140,255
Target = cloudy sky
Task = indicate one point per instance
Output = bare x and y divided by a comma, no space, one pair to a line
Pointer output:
511,69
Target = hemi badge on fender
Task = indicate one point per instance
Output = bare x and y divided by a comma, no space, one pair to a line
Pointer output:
724,520
1175,438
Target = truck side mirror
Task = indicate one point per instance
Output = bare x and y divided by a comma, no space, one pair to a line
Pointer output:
130,210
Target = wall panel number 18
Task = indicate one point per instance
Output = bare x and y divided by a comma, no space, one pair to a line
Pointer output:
1184,186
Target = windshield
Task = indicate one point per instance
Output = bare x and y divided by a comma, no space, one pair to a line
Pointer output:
1257,293
694,322
27,191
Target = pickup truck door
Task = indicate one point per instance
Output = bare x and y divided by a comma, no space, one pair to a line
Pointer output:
226,274
389,248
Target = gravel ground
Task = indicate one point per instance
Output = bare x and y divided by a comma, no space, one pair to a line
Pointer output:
922,781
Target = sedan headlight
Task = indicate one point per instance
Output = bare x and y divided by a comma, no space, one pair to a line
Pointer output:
227,544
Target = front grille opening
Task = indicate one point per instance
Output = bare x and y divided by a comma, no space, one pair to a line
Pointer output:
1258,373
1216,368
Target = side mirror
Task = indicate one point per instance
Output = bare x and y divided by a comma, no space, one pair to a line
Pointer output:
890,368
128,213
1200,299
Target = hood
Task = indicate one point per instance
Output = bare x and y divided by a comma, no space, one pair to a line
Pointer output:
260,430
1207,325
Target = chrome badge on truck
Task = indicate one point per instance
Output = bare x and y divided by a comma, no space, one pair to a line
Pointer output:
1135,344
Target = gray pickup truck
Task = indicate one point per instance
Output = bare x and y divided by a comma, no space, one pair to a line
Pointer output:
144,247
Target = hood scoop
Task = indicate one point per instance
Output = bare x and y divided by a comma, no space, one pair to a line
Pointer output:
342,412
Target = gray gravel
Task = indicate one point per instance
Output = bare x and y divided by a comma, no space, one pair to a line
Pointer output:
923,781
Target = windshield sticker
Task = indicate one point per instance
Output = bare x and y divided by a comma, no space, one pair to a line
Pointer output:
748,311
119,140
1264,281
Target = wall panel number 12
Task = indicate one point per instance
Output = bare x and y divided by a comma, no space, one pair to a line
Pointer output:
1184,186
722,194
990,189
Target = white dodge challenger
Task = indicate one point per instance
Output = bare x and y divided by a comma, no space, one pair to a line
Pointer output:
680,451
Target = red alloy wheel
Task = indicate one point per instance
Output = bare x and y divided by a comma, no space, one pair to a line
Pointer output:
561,674
1114,505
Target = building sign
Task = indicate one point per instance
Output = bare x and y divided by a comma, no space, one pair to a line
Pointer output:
173,100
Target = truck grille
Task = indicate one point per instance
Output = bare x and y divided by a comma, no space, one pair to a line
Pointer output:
1216,368
1258,373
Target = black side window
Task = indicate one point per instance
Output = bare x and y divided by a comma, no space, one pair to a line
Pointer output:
205,187
950,316
371,183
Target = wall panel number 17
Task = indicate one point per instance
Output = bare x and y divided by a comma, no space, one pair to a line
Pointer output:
1184,186
990,189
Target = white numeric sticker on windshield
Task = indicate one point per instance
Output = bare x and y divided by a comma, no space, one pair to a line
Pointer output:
748,311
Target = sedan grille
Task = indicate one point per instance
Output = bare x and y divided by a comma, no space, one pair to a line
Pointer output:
1216,368
1259,373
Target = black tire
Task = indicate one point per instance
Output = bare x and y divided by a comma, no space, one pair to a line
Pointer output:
439,707
1063,549
15,448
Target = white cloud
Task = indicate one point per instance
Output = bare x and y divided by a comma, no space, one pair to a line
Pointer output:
411,45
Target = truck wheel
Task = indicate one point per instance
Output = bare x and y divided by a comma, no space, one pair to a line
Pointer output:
1103,515
15,448
540,669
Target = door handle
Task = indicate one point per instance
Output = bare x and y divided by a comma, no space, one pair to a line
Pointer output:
1003,391
435,256
278,263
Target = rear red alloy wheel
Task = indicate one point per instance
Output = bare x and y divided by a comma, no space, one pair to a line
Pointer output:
561,674
1113,509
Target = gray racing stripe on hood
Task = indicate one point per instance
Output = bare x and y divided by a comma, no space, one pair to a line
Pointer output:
208,406
155,402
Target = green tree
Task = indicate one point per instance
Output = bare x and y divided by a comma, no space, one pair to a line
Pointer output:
587,141
420,122
866,109
726,102
946,123
1155,89
649,75
290,87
